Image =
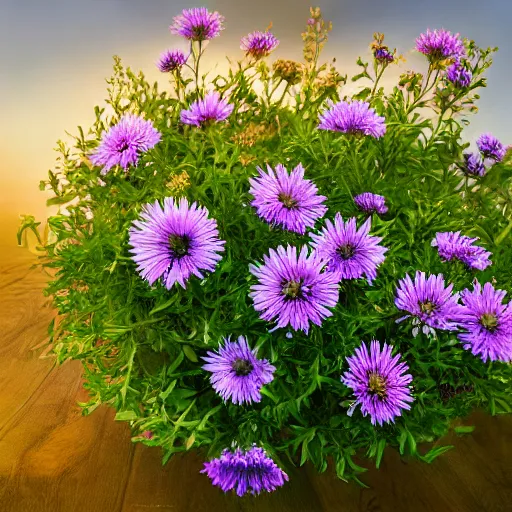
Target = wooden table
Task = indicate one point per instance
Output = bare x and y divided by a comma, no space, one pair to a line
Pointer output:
54,460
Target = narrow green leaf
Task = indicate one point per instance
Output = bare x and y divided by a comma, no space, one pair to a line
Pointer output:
464,429
380,452
125,416
60,199
189,352
164,394
435,452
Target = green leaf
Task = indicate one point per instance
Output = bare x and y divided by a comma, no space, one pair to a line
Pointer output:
164,305
28,222
435,452
189,352
363,94
464,429
176,363
354,466
304,452
266,392
380,452
60,199
411,442
183,416
190,442
504,405
164,394
125,416
210,413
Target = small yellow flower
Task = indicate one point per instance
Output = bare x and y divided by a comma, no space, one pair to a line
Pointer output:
179,182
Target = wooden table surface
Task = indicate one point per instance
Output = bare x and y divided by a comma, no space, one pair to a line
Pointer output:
52,459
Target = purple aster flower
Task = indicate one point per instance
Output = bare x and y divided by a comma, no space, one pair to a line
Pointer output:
171,60
378,382
432,305
237,374
259,44
383,55
452,245
349,252
250,471
488,323
293,290
458,75
123,143
473,165
174,242
354,117
440,44
210,109
197,24
491,147
287,199
371,203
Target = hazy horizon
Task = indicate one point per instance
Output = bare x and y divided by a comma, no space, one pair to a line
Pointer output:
55,56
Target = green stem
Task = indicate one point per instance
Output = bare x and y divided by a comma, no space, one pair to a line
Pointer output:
439,122
283,95
346,186
124,389
236,78
269,96
137,324
177,83
426,90
197,58
377,78
504,233
353,154
315,59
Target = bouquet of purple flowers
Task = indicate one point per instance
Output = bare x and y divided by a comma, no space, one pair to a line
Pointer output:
273,271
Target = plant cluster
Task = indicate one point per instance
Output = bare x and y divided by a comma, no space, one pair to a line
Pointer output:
261,267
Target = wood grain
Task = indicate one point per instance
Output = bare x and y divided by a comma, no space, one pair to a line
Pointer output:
54,460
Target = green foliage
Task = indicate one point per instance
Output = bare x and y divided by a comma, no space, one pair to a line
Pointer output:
141,345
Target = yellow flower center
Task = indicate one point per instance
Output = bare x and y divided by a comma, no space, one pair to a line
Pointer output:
489,321
377,385
292,289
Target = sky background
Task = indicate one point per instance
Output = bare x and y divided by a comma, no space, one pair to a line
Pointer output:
56,54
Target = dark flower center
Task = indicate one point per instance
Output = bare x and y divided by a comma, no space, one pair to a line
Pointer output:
179,245
288,201
123,146
436,54
377,385
200,31
356,132
489,321
427,307
346,251
292,289
242,367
